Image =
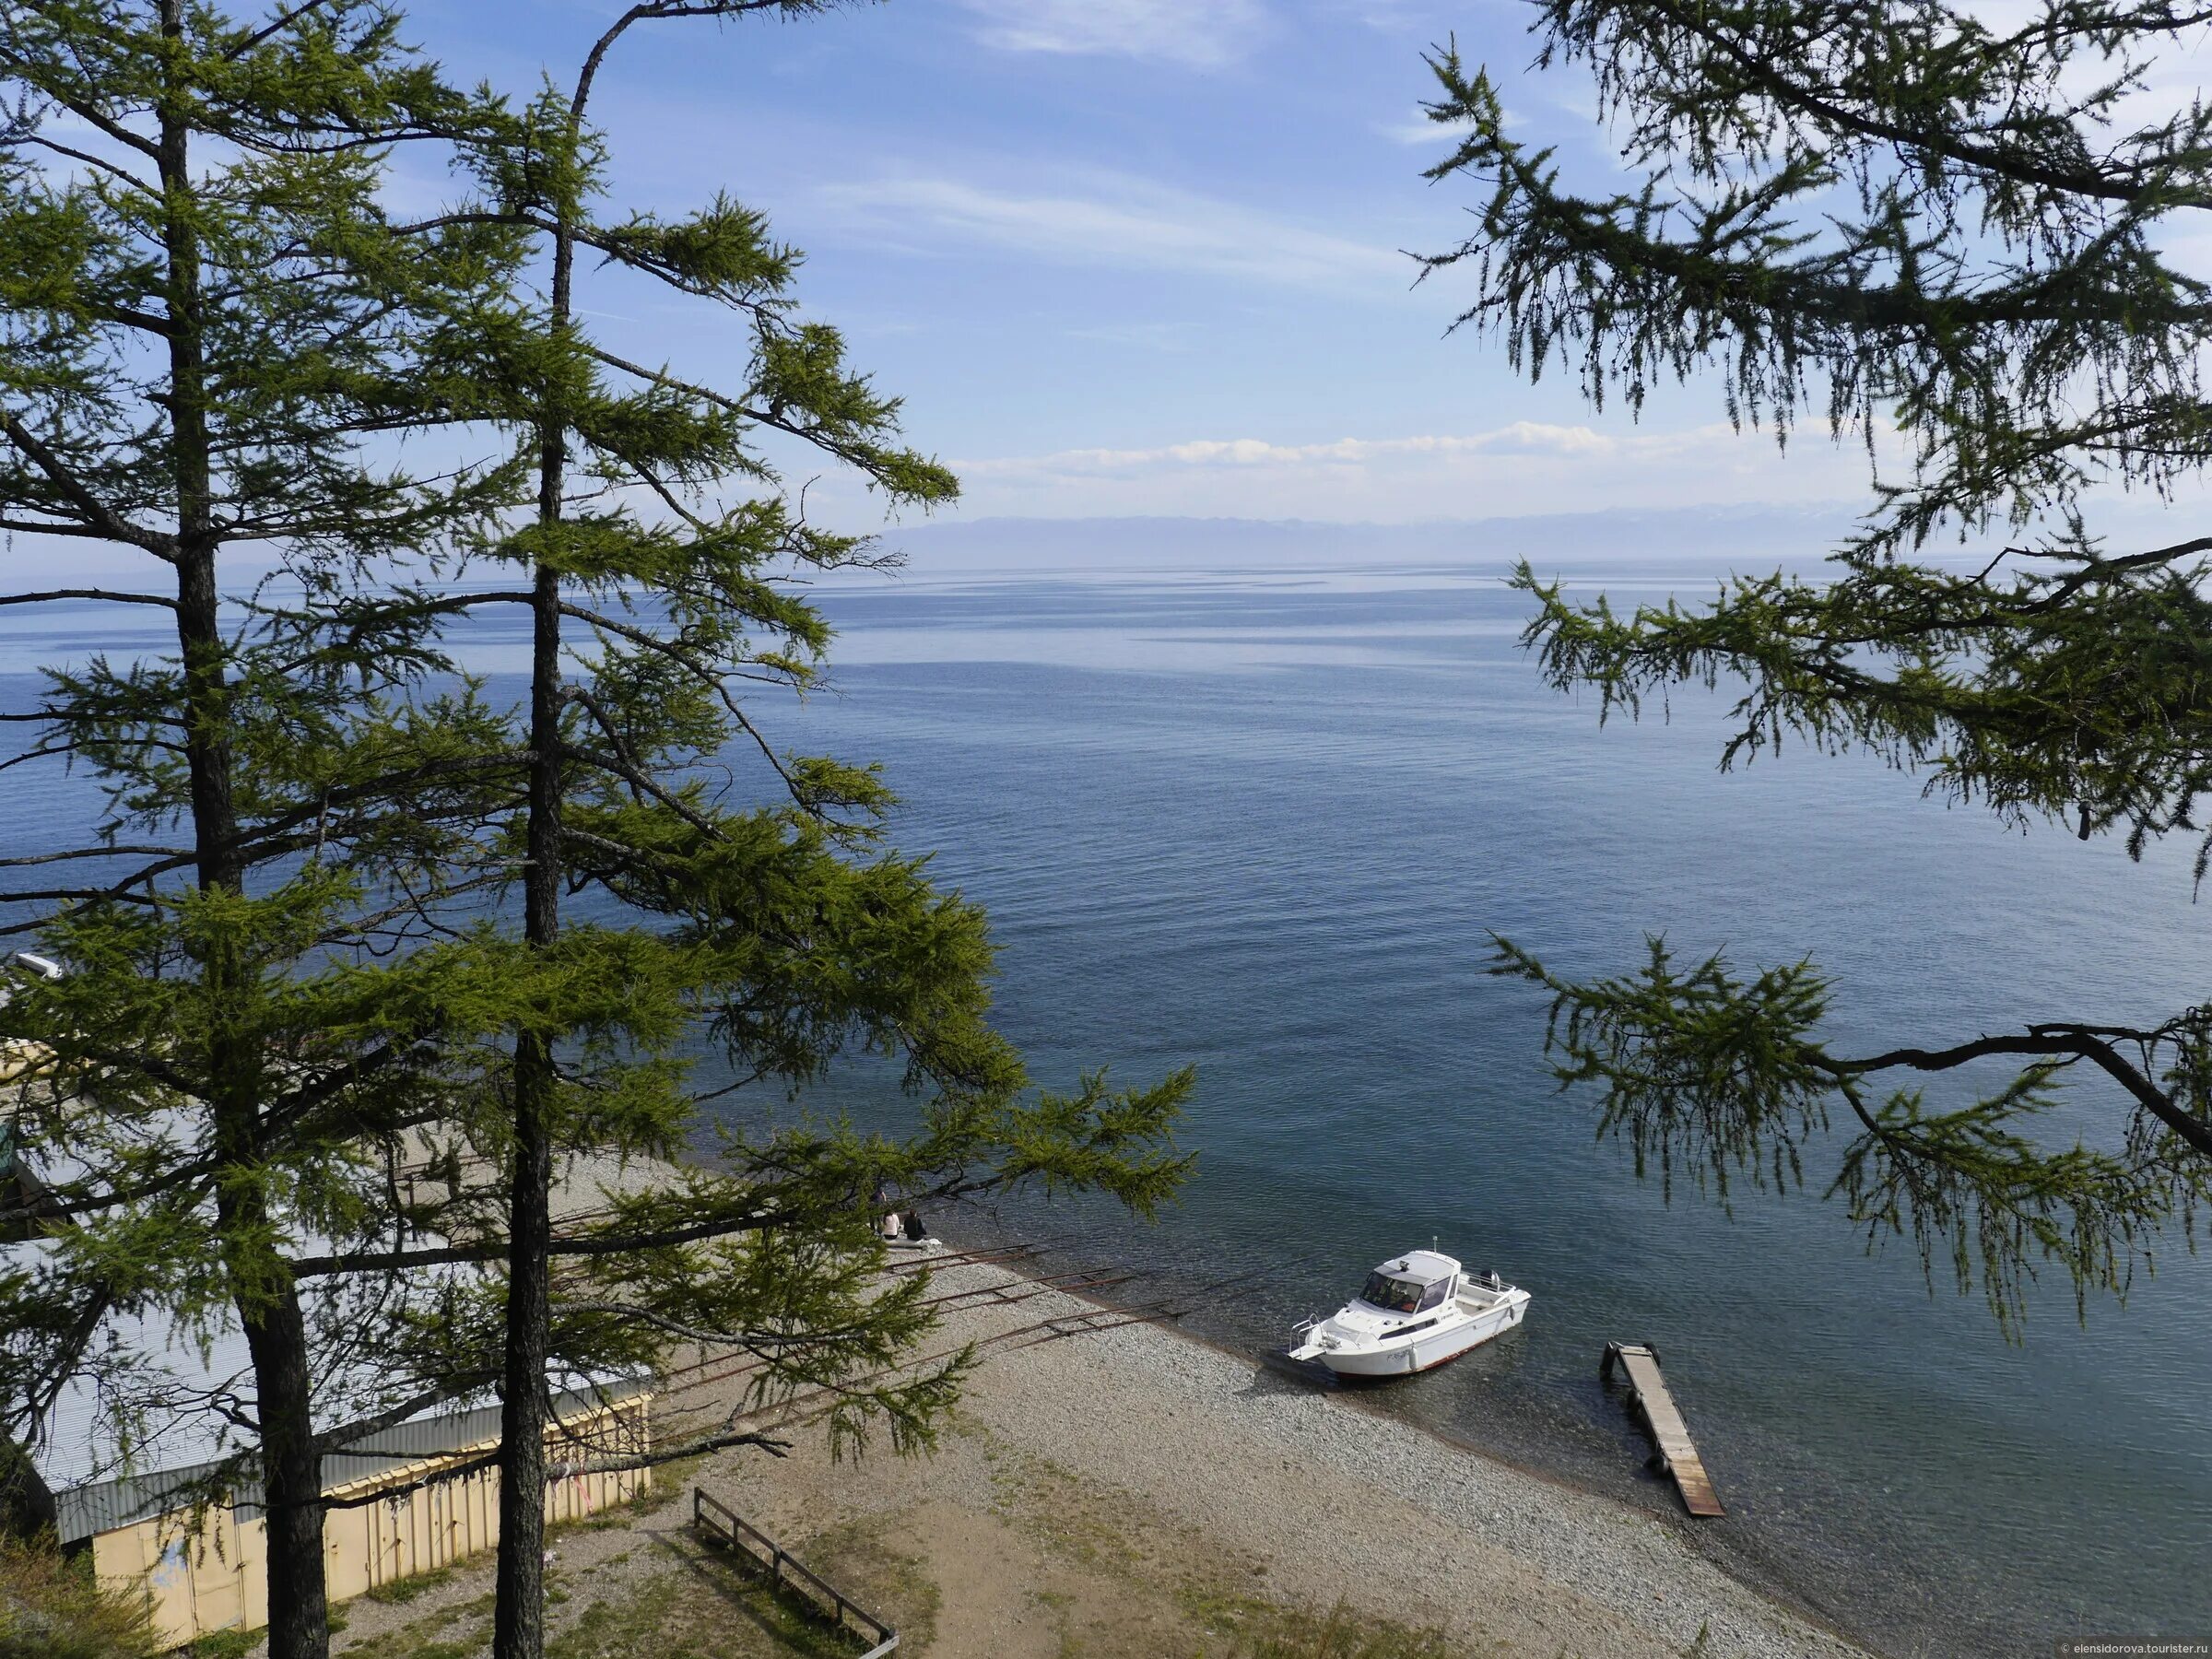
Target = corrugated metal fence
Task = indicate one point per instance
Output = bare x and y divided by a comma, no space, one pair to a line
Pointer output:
206,1569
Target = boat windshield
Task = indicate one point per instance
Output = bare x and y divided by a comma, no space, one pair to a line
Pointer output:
1394,1295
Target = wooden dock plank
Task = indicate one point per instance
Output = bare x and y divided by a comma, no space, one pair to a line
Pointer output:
1677,1452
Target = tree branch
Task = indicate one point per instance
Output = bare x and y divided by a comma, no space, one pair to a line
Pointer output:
111,596
2078,1041
1764,73
95,513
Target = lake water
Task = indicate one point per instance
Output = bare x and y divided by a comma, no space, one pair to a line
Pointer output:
1264,821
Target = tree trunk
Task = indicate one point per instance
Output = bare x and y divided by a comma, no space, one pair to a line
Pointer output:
27,1507
292,1473
262,1290
518,1620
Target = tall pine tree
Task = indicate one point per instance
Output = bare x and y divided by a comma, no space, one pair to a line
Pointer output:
276,1017
213,340
665,570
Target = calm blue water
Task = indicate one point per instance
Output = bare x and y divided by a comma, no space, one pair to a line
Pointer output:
1264,822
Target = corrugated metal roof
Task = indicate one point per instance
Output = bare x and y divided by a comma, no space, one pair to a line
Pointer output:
103,1477
104,1505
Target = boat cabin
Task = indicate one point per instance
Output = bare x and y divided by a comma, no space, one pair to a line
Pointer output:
1417,1282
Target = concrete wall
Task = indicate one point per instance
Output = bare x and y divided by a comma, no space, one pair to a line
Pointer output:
210,1573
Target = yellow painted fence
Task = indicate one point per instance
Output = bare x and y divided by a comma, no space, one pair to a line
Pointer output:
210,1573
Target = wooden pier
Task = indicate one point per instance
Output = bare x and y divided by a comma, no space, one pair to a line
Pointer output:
1677,1454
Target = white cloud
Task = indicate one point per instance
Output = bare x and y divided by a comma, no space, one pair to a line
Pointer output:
1123,224
1422,130
1520,438
1174,32
1523,466
1138,336
1423,20
1420,127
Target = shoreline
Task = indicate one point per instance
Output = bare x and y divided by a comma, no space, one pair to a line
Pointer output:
1369,1402
1350,1506
1134,1490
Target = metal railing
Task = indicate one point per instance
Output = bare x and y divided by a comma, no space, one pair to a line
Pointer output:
719,1524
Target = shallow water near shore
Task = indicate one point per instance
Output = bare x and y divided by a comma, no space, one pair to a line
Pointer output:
1264,822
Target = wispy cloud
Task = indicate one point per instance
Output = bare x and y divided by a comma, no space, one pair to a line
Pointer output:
1423,20
1522,467
1123,224
1519,437
1143,337
1419,129
1170,30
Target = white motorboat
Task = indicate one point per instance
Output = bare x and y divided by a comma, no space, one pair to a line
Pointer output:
1415,1310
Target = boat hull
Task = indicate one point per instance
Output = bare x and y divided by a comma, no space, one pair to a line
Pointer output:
1406,1356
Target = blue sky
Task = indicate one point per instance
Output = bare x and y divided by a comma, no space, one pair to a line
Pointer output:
1135,256
1146,257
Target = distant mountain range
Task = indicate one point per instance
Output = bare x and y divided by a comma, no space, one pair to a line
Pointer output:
1748,538
1789,533
1745,538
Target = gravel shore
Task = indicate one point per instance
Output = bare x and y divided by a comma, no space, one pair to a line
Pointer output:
1335,1503
1132,1491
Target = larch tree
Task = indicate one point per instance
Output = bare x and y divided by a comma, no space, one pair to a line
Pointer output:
757,909
290,997
1958,224
212,343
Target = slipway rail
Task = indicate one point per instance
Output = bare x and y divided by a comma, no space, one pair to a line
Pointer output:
726,1364
723,1527
1677,1454
811,1406
984,1255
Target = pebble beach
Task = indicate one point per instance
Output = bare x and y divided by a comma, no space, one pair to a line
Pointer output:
1337,1503
1131,1490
